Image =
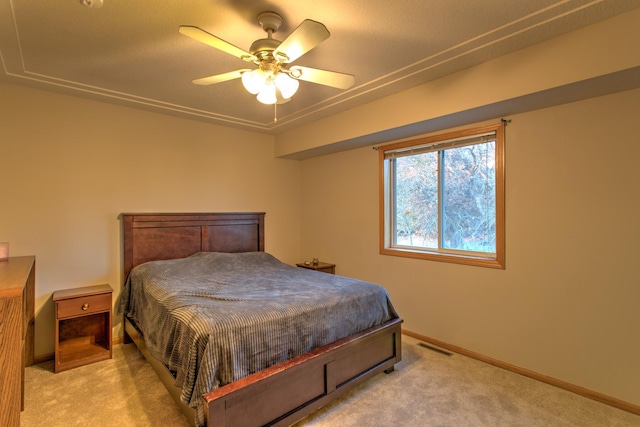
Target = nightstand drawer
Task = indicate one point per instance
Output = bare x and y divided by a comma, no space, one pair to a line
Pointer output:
83,305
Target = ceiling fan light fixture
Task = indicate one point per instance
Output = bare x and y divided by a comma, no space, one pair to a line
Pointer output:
269,89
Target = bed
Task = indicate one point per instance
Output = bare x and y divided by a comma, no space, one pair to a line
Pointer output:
290,386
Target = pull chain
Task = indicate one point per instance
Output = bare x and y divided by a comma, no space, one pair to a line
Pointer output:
275,113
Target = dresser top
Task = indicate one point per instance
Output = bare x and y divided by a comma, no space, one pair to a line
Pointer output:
13,275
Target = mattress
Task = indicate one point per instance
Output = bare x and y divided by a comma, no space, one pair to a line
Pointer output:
213,318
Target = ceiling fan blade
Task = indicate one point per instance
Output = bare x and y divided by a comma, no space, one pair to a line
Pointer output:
209,39
324,77
219,78
308,35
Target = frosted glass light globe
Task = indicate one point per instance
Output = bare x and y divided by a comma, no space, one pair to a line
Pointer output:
286,85
253,81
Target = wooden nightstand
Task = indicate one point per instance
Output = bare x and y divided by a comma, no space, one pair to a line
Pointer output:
325,267
83,326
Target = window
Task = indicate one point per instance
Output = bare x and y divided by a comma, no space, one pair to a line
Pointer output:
442,197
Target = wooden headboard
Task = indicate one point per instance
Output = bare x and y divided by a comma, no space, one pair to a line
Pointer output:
158,236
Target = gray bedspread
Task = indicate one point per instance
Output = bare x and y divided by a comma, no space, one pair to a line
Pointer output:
214,318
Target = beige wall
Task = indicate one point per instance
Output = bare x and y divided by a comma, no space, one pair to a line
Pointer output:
566,305
69,167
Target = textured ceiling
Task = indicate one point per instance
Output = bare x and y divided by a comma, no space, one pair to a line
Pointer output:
130,52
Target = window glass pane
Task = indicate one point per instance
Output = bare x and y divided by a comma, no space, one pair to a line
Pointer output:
416,200
469,198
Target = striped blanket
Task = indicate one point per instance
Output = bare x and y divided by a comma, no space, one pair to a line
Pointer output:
213,318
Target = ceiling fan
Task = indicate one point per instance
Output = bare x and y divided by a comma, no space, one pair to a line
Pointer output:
274,80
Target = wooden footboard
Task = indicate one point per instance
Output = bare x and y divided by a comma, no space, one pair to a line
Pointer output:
287,392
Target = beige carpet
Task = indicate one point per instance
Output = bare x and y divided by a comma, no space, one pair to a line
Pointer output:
123,391
426,389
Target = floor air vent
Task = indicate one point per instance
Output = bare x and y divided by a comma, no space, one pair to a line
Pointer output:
436,349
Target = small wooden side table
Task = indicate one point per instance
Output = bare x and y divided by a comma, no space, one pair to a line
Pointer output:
83,326
325,267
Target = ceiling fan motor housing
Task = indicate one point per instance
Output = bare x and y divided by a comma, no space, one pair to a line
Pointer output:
270,21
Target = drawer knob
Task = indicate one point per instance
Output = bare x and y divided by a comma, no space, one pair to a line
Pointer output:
85,306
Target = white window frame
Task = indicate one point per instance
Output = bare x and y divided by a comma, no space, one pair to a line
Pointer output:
438,143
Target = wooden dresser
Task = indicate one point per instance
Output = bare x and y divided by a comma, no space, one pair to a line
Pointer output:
17,319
